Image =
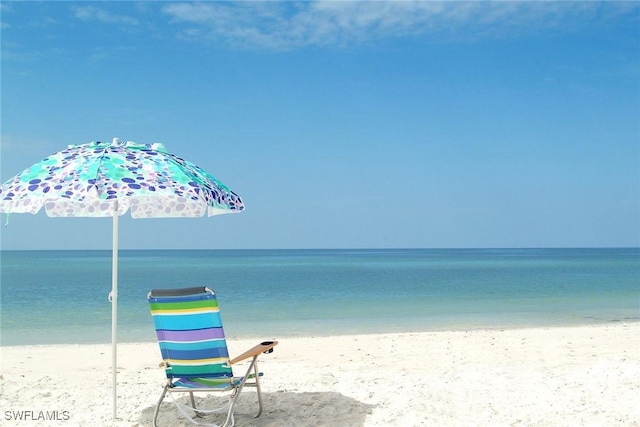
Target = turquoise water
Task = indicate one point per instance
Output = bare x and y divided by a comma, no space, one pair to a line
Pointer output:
61,296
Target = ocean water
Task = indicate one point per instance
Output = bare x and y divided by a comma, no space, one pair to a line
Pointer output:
62,296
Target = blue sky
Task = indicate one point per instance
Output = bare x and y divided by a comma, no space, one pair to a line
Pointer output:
341,124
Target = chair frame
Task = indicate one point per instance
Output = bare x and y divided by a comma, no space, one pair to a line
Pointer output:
236,384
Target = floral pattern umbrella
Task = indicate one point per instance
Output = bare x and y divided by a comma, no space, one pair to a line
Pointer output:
102,179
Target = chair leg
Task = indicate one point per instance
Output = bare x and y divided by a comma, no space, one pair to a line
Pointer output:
236,392
155,413
229,422
257,374
193,405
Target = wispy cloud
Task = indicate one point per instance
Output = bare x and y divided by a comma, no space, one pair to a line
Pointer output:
23,145
94,13
4,8
287,25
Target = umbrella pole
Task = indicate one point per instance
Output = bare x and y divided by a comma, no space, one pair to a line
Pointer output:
114,310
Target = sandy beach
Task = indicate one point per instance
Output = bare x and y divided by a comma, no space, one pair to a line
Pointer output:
587,375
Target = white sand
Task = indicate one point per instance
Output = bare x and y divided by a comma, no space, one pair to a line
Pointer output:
558,376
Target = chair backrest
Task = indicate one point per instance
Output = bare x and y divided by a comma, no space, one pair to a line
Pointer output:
190,334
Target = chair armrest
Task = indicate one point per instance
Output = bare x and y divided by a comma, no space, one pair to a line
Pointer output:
263,347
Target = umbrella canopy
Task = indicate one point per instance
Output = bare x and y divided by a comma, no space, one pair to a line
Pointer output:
102,179
98,179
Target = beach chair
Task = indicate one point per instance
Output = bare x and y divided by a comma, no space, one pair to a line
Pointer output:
194,352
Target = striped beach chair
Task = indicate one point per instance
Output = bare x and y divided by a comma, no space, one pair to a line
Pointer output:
194,351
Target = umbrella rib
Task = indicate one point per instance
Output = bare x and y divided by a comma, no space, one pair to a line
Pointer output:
95,179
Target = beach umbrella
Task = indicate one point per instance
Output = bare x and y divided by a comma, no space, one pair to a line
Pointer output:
102,179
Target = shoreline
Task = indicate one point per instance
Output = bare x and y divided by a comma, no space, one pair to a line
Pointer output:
522,376
349,332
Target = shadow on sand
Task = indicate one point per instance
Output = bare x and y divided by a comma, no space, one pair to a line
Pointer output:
279,409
